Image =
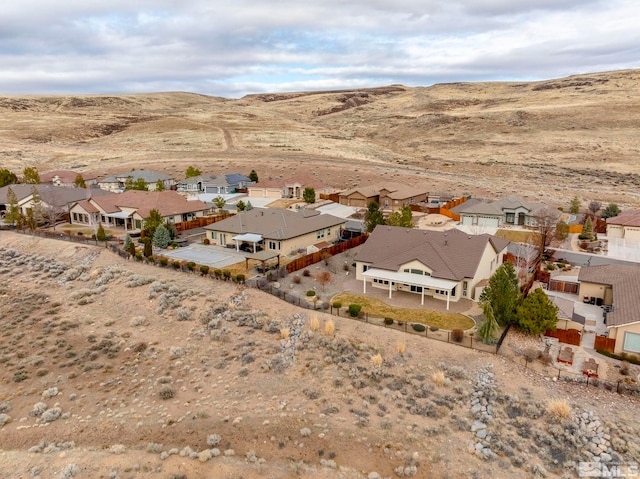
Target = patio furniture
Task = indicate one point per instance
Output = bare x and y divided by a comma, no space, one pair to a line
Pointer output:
566,355
590,368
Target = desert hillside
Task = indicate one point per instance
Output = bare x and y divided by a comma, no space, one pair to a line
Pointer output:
118,369
546,140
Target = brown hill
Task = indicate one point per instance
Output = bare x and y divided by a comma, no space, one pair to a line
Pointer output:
549,139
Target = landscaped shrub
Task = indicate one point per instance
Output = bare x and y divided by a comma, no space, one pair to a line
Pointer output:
457,335
354,310
311,293
297,279
204,270
551,267
326,305
388,321
226,274
163,261
176,264
419,327
337,304
240,278
206,241
138,256
217,273
631,359
191,266
306,272
433,328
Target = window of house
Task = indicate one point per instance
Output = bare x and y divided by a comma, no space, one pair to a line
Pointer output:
380,281
274,245
465,286
365,267
75,216
631,342
214,235
511,218
416,289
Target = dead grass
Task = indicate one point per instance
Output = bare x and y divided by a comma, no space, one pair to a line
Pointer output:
518,236
559,408
378,309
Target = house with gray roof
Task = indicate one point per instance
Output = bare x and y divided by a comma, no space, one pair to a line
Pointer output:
213,184
625,225
443,265
617,289
510,210
276,230
117,183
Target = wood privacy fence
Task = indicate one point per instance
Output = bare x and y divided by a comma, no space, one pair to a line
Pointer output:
200,222
567,336
604,343
563,286
308,260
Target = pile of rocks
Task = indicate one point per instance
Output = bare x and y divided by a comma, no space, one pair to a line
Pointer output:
595,438
288,346
483,401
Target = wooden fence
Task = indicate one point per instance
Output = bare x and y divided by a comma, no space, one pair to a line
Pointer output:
200,222
335,197
604,343
563,286
449,214
567,336
318,256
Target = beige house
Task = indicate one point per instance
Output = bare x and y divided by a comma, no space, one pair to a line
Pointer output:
287,188
67,178
625,225
444,265
360,197
117,183
617,288
276,230
128,210
393,199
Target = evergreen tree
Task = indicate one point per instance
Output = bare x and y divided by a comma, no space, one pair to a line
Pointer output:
192,171
160,186
100,234
240,205
488,329
147,251
30,176
37,208
127,243
587,230
7,177
79,181
152,222
402,218
253,176
562,230
537,313
161,237
13,210
373,217
309,195
612,210
503,294
139,184
574,206
249,206
171,228
219,202
132,248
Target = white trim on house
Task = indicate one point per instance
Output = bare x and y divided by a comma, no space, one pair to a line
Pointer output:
411,279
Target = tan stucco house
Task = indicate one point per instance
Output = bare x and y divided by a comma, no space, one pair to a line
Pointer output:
625,225
276,230
617,288
444,265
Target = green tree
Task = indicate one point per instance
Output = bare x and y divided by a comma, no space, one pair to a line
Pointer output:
309,195
249,206
30,220
562,230
132,248
373,217
79,181
152,222
219,202
574,206
139,184
612,210
537,313
503,294
7,177
147,250
171,228
240,205
127,243
587,230
30,176
253,176
37,208
403,218
100,234
488,329
13,210
192,171
161,237
160,186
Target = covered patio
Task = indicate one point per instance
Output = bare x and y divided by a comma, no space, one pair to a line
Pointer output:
419,281
248,238
121,219
263,257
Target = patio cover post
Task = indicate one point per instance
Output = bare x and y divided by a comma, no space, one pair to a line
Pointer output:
364,285
422,297
390,283
448,296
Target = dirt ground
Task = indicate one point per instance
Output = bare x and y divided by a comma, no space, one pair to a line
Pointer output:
137,366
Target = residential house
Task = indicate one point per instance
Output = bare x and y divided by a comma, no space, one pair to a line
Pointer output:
617,289
625,225
276,230
396,198
54,201
292,187
510,210
443,265
117,183
475,212
67,178
128,210
360,197
213,184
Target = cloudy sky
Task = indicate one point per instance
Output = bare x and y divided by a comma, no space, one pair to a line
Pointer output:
231,48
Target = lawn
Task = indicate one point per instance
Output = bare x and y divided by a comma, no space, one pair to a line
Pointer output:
518,236
378,309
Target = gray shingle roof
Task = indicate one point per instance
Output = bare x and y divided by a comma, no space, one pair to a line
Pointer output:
452,254
148,176
625,283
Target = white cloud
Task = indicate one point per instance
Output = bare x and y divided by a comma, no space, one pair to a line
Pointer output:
233,48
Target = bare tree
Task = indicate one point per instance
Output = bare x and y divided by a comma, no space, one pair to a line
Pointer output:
526,258
324,278
546,219
594,206
50,208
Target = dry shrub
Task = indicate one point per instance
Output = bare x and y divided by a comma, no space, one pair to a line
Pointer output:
401,347
376,360
457,335
438,378
314,324
558,409
285,333
329,328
